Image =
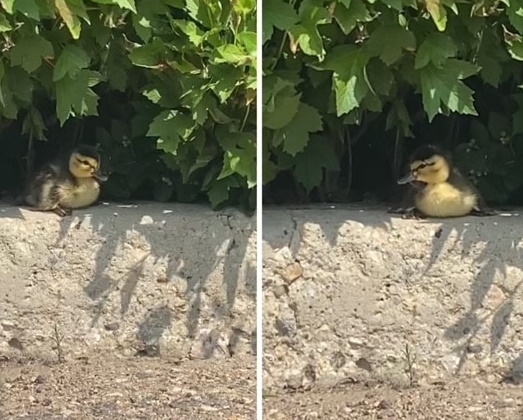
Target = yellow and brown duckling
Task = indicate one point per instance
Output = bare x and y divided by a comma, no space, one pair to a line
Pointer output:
68,183
438,189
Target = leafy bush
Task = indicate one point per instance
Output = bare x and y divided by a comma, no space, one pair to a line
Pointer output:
167,87
351,86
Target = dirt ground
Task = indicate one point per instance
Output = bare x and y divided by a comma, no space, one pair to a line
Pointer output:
456,400
108,387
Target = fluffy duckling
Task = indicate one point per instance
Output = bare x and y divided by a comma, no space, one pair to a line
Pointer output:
66,184
438,189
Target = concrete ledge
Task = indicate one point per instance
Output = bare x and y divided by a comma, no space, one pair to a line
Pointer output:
148,278
347,289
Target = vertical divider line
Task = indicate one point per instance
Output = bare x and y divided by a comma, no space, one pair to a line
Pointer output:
259,217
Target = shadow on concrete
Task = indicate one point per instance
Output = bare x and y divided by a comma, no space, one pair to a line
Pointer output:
117,225
493,262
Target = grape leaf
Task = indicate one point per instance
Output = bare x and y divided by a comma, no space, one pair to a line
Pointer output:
149,55
389,41
295,135
490,58
240,154
436,48
229,53
20,84
306,34
75,96
71,60
224,79
279,14
444,86
349,16
28,8
69,10
348,63
310,163
171,127
29,51
4,23
438,13
284,110
124,4
8,5
218,192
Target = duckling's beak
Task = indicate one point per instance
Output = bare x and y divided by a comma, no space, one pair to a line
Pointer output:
100,176
406,179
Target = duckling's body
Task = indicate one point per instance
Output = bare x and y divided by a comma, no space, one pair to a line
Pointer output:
441,190
64,185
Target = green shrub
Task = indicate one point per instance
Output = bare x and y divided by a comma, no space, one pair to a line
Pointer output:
351,86
167,87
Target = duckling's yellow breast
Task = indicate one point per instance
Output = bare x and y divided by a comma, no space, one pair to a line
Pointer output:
83,194
445,200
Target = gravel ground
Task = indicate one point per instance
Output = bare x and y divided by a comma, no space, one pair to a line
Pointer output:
109,387
457,400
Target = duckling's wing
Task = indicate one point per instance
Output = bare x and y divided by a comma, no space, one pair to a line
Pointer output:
42,190
461,182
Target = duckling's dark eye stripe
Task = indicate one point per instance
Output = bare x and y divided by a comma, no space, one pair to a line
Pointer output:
85,162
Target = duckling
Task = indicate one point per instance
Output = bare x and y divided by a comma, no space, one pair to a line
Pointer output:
66,184
438,189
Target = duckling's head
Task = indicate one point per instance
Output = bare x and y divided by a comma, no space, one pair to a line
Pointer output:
428,165
84,162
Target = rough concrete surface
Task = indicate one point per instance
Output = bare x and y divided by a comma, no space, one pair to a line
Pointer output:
354,295
165,280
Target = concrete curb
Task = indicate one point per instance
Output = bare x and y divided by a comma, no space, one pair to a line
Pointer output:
348,290
147,278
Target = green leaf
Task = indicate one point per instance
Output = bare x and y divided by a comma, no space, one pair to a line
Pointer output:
67,9
285,109
240,154
230,54
34,124
279,14
438,13
196,35
389,41
75,96
444,86
348,17
124,4
306,34
5,26
248,39
206,12
219,191
399,118
244,7
71,60
514,43
143,27
491,58
8,5
149,55
28,8
436,48
20,84
295,135
7,106
171,127
224,79
29,51
310,163
348,63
